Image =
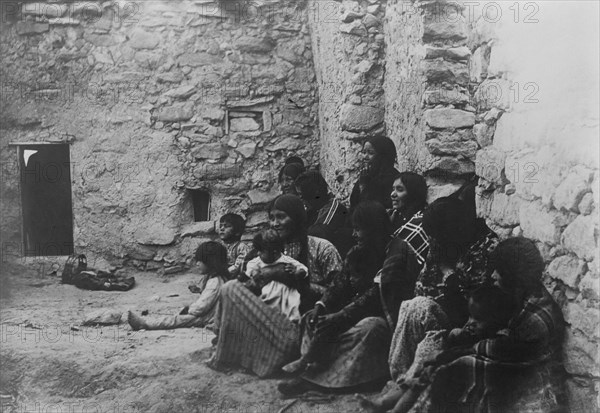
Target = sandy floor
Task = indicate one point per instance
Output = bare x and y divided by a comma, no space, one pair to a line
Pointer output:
51,363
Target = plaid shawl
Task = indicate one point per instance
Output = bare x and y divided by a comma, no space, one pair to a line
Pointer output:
516,367
413,233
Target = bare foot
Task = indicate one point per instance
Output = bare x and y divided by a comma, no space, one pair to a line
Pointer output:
369,405
136,323
295,366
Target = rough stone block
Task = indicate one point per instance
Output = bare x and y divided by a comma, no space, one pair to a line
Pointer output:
251,44
349,16
489,164
581,237
210,172
357,118
141,39
567,269
582,394
355,28
371,21
452,166
182,92
258,196
590,286
176,113
451,53
465,148
285,144
198,59
540,224
170,77
583,316
569,193
246,149
442,96
213,113
28,27
209,151
243,124
256,219
449,118
586,205
442,71
505,209
437,28
451,135
580,354
484,134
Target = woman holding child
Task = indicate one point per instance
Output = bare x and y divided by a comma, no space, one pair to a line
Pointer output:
346,335
254,335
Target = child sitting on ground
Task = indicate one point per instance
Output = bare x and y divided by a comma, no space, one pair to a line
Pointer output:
490,311
270,247
356,277
211,259
231,229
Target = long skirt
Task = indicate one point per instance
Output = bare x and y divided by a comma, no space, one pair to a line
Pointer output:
357,356
251,334
416,317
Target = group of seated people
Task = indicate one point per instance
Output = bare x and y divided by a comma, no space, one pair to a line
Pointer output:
391,288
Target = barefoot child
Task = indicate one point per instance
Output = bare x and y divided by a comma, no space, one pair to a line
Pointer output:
490,311
276,294
211,260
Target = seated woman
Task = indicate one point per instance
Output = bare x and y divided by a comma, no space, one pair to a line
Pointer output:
520,367
409,199
490,310
376,179
327,216
287,176
349,323
253,335
211,258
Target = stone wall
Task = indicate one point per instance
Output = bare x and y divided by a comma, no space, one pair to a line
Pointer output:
428,108
348,47
157,98
537,109
511,94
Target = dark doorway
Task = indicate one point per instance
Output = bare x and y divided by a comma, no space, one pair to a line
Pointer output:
201,204
46,199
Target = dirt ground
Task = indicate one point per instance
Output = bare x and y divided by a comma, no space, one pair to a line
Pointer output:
51,363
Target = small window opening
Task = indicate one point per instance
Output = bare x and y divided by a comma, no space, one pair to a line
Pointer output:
201,203
245,121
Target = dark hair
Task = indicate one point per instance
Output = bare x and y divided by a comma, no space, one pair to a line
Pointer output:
386,152
493,305
452,228
312,185
466,193
416,189
213,254
236,221
292,170
268,240
294,208
519,263
371,217
294,159
363,261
